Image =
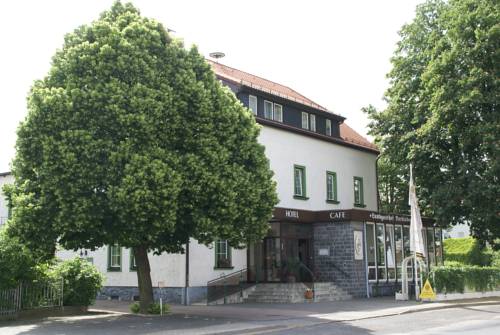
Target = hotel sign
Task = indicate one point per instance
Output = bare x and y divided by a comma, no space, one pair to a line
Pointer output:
308,216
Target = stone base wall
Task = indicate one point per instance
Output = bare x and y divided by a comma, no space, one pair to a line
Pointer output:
387,289
338,265
170,295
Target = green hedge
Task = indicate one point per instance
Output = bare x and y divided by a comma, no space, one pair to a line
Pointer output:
450,279
466,250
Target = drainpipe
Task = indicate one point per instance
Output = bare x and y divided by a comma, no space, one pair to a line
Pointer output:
186,285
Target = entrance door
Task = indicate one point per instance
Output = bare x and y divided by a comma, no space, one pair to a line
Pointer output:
272,259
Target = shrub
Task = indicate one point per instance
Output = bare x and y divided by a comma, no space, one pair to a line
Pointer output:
466,250
82,281
135,308
154,308
448,279
495,259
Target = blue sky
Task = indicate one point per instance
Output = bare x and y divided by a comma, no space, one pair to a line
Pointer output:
335,52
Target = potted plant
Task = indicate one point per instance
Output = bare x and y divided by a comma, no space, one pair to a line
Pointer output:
308,294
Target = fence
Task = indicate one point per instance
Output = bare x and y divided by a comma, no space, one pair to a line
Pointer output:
31,296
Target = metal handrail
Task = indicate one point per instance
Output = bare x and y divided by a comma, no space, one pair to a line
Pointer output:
226,276
313,277
340,270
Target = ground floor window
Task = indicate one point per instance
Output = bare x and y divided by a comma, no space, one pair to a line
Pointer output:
114,258
222,255
387,245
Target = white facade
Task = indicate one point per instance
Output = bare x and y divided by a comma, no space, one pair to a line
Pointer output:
286,149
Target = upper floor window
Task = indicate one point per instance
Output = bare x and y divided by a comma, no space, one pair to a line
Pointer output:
331,187
328,127
222,255
252,103
312,122
114,258
268,109
305,120
299,182
358,192
278,113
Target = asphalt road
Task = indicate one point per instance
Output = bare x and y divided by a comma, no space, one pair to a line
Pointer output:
484,320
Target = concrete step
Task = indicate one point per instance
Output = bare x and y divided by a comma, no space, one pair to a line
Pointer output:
294,293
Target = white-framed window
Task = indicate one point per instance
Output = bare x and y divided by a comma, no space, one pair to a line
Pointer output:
114,258
328,127
312,122
381,260
278,113
299,181
371,251
222,255
305,120
390,255
268,109
252,103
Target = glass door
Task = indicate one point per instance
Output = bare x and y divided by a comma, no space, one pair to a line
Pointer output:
272,259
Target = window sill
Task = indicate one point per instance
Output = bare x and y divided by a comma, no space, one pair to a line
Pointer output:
223,268
114,269
333,202
300,197
360,205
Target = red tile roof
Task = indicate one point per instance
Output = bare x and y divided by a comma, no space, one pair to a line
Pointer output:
350,135
244,78
262,84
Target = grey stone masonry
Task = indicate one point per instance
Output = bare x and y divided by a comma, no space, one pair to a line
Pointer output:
334,256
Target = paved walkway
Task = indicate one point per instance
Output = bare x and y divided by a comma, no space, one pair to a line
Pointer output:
349,310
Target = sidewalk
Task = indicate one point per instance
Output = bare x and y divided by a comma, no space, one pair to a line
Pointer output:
349,310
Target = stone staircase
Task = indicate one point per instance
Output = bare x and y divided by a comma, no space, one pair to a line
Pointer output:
294,293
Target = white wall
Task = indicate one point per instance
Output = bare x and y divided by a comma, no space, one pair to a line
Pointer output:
284,149
169,268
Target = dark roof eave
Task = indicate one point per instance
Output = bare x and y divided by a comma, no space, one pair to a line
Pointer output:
3,174
316,135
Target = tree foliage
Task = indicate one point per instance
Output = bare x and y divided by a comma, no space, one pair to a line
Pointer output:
17,262
442,113
131,139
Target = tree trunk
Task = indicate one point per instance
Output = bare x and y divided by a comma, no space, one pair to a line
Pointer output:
143,278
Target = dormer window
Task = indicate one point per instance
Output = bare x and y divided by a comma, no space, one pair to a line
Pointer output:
328,127
273,111
252,103
278,113
312,122
305,120
268,109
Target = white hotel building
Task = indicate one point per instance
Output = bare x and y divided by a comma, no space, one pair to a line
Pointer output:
325,229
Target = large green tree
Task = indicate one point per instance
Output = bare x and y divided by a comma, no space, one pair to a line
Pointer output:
131,139
442,113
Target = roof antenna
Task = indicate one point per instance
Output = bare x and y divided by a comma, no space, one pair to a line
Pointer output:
217,55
